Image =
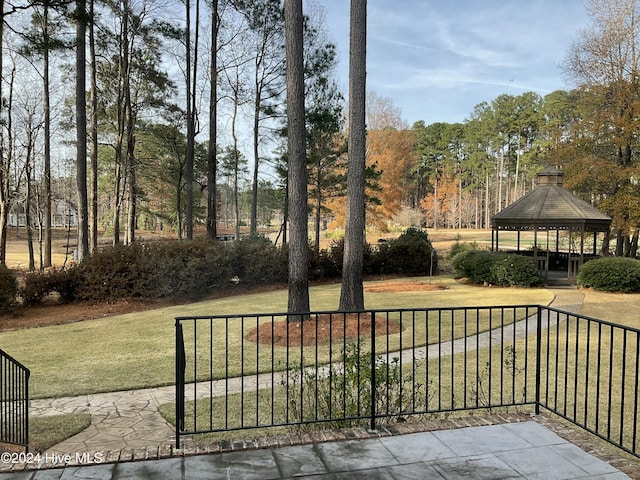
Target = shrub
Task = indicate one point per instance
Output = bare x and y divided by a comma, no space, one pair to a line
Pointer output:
410,254
38,285
515,271
611,274
117,272
187,269
346,392
8,290
323,264
474,265
257,261
503,269
458,247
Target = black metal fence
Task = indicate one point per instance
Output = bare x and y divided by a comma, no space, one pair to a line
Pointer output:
339,369
14,401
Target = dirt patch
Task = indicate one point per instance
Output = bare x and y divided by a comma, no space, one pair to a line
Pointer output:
320,329
404,286
58,314
53,313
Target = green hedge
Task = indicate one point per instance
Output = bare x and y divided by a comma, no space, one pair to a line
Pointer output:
193,269
8,290
503,269
611,274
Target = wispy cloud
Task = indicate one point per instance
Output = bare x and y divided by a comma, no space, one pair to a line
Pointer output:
436,58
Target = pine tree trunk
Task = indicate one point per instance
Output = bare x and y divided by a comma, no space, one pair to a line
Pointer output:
81,132
94,133
46,104
352,290
212,153
298,294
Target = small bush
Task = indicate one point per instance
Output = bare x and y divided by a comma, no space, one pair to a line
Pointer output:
503,269
474,265
38,285
458,247
515,271
611,274
410,254
346,392
8,290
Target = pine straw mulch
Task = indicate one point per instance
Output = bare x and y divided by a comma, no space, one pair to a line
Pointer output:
320,329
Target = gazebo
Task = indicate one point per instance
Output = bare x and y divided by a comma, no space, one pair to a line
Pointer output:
548,208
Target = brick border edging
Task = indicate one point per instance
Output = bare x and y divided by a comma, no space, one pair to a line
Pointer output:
587,442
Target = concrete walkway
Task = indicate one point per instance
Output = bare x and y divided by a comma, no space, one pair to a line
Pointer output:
130,419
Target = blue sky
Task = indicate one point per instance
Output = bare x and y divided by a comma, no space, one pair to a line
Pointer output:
438,59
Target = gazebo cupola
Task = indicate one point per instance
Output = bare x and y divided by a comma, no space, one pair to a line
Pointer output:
549,207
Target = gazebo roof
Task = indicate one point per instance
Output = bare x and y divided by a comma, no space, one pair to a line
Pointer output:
551,207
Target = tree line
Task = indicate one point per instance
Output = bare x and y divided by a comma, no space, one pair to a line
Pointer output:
174,114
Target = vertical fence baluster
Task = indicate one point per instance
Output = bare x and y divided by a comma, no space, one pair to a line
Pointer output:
465,357
273,369
538,357
576,370
180,365
623,384
598,371
636,405
372,423
609,406
211,373
587,376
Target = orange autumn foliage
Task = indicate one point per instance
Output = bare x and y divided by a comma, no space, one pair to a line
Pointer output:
391,153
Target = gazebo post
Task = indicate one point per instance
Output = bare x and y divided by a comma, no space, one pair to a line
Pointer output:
569,259
581,248
546,267
595,241
518,247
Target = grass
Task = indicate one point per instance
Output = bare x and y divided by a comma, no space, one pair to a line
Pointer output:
620,308
45,432
137,350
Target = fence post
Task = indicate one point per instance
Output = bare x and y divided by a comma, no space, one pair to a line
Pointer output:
27,374
373,371
538,356
181,364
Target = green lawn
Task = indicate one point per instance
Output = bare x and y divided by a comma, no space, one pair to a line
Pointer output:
137,350
621,308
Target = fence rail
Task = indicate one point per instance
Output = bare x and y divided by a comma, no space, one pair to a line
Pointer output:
14,401
344,368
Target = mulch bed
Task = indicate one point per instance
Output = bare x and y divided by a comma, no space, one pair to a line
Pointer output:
319,329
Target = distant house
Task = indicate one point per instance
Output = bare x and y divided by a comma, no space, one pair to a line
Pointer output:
63,214
17,217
